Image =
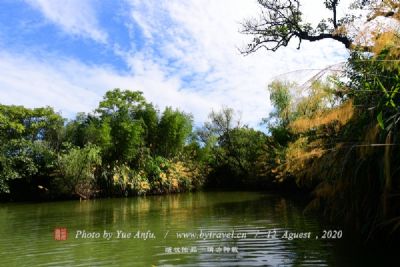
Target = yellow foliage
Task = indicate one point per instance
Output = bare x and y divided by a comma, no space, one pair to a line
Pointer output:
144,186
163,177
390,43
381,33
174,183
298,156
125,178
116,178
341,115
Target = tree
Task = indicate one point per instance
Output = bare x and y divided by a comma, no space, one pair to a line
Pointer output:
281,21
17,122
281,100
22,160
89,129
150,117
234,149
29,139
77,169
116,100
219,127
173,131
281,115
121,111
127,137
242,150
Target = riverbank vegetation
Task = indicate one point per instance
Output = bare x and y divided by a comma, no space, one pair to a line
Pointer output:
125,147
336,136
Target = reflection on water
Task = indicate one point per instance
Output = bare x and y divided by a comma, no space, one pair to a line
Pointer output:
26,232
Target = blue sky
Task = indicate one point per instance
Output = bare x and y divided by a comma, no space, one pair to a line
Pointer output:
184,54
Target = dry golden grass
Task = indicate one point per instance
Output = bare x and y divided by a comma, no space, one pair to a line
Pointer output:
389,42
341,115
371,137
299,158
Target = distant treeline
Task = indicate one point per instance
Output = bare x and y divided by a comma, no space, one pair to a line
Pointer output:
126,146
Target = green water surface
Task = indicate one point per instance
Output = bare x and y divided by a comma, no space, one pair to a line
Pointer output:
192,229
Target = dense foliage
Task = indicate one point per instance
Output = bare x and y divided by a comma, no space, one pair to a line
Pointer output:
233,150
339,137
124,147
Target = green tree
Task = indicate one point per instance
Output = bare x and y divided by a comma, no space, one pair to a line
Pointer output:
89,129
234,149
127,138
76,170
173,131
24,160
17,122
150,117
29,139
217,130
118,100
281,115
242,148
122,110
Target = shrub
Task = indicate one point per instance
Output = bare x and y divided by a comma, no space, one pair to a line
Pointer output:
76,171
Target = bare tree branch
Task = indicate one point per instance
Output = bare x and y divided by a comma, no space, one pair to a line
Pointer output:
281,20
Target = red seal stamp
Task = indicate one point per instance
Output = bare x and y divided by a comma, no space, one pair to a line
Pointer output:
60,234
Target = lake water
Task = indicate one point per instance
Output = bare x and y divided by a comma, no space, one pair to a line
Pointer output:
191,229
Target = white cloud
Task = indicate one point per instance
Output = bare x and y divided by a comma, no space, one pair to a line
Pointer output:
70,86
25,81
201,38
314,11
75,17
190,61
